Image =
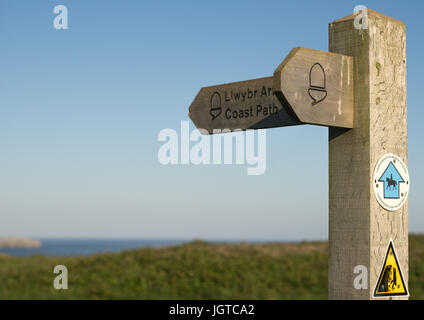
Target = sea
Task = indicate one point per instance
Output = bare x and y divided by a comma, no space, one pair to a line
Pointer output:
84,247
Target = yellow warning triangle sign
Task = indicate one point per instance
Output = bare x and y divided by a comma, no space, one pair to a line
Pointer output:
390,282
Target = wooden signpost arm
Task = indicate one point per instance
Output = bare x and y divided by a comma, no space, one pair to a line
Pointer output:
359,228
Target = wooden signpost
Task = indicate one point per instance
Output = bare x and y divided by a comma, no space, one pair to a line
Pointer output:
358,90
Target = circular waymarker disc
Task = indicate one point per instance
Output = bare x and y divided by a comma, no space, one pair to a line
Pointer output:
391,182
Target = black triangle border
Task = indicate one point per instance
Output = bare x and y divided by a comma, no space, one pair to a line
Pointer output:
382,295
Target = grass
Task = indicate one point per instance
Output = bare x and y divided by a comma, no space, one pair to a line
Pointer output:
197,270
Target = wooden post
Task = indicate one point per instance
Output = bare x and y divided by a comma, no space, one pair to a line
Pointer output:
359,228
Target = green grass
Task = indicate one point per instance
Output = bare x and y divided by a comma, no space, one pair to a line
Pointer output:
196,270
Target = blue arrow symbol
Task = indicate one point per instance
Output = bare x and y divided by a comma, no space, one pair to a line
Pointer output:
391,179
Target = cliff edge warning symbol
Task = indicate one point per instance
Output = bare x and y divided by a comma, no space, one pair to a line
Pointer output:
390,281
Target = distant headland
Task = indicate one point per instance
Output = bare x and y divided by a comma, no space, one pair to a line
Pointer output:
15,243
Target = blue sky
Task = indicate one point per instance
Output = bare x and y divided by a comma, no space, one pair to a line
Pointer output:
81,109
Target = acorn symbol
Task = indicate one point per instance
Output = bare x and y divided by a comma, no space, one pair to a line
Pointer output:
316,89
216,108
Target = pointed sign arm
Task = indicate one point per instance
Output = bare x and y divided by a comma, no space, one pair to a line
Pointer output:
316,87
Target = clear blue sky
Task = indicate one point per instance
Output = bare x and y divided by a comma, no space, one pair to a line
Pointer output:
81,109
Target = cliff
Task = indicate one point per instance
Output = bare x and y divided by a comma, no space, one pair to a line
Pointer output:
19,243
